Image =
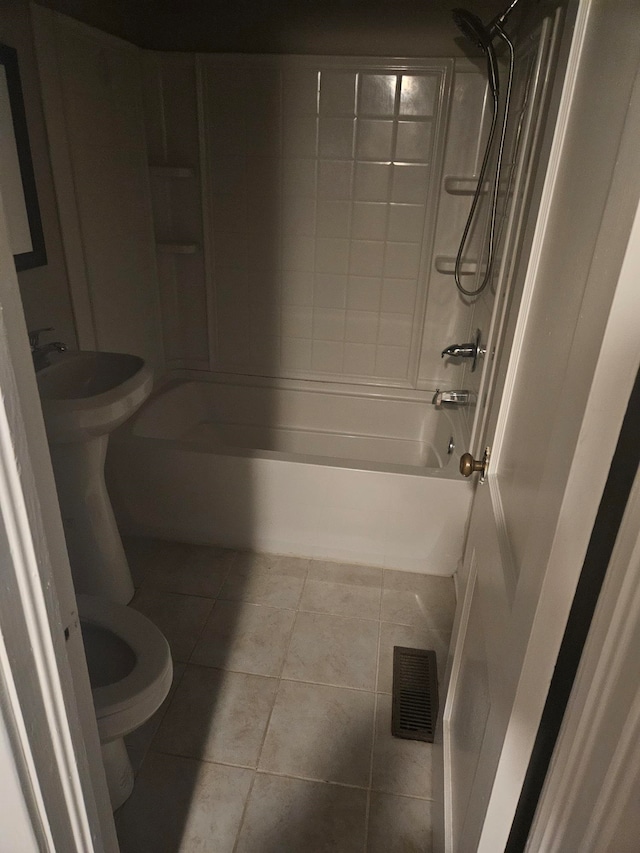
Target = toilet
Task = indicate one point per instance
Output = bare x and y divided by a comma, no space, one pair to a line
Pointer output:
130,671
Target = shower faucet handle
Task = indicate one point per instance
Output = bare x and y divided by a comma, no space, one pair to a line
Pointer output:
460,351
471,350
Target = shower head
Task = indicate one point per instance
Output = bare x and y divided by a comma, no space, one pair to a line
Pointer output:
473,29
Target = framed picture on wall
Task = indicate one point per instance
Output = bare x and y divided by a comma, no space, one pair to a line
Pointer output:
17,181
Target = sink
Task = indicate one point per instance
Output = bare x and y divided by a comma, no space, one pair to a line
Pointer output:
88,394
84,397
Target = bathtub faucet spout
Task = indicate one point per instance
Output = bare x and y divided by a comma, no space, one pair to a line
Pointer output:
452,398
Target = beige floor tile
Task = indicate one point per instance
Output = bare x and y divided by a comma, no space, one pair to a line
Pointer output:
294,816
399,825
245,637
181,618
399,766
142,555
333,650
217,716
420,600
341,599
413,638
322,724
321,570
319,732
183,806
266,579
190,569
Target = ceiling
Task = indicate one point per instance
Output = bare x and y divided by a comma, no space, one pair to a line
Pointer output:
375,27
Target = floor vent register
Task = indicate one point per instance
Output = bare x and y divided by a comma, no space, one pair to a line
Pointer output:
415,694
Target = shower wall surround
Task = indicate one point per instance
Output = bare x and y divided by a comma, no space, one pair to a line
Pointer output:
295,203
306,210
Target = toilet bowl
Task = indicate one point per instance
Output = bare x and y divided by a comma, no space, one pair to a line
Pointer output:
130,671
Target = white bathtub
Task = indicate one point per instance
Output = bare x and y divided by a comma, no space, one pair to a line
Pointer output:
294,470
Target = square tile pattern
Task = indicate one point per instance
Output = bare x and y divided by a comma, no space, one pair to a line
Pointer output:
343,175
276,734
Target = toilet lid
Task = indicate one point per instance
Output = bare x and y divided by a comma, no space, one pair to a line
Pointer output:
153,668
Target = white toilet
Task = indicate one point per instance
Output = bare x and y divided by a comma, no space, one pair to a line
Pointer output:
130,670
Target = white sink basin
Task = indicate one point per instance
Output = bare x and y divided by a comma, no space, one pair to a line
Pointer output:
84,396
88,394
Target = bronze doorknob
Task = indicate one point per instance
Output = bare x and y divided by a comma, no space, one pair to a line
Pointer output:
469,465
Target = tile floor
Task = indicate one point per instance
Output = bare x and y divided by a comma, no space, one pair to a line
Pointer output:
275,735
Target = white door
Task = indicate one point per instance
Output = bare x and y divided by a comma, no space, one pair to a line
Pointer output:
564,366
53,789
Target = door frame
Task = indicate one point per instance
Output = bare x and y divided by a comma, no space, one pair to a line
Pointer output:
49,748
593,780
605,370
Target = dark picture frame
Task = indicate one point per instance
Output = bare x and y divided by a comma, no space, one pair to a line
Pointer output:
18,185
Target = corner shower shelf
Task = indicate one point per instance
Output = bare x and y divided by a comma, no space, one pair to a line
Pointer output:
463,186
447,266
172,171
177,248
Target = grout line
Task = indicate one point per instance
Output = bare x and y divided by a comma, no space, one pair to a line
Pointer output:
375,719
282,666
268,723
291,680
337,615
352,787
173,692
299,778
244,811
200,633
201,760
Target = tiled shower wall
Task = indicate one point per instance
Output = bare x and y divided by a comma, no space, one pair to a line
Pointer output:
295,204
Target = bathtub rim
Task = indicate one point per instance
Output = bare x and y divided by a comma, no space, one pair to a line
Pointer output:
448,471
318,386
174,379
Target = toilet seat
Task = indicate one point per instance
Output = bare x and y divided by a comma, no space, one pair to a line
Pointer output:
127,703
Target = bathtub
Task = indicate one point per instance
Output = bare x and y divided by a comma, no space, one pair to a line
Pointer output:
295,469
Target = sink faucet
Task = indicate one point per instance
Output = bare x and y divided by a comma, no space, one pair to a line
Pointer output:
40,352
453,398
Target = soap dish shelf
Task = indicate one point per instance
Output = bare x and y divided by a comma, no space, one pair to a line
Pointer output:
447,266
455,185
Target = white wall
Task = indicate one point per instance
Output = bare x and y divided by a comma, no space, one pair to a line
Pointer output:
44,290
92,94
252,271
319,213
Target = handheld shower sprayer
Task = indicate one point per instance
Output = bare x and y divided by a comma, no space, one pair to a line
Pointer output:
483,36
472,27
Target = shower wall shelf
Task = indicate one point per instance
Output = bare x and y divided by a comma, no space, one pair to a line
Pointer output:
463,186
177,248
447,266
172,171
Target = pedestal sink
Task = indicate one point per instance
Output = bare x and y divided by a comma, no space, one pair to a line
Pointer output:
85,396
